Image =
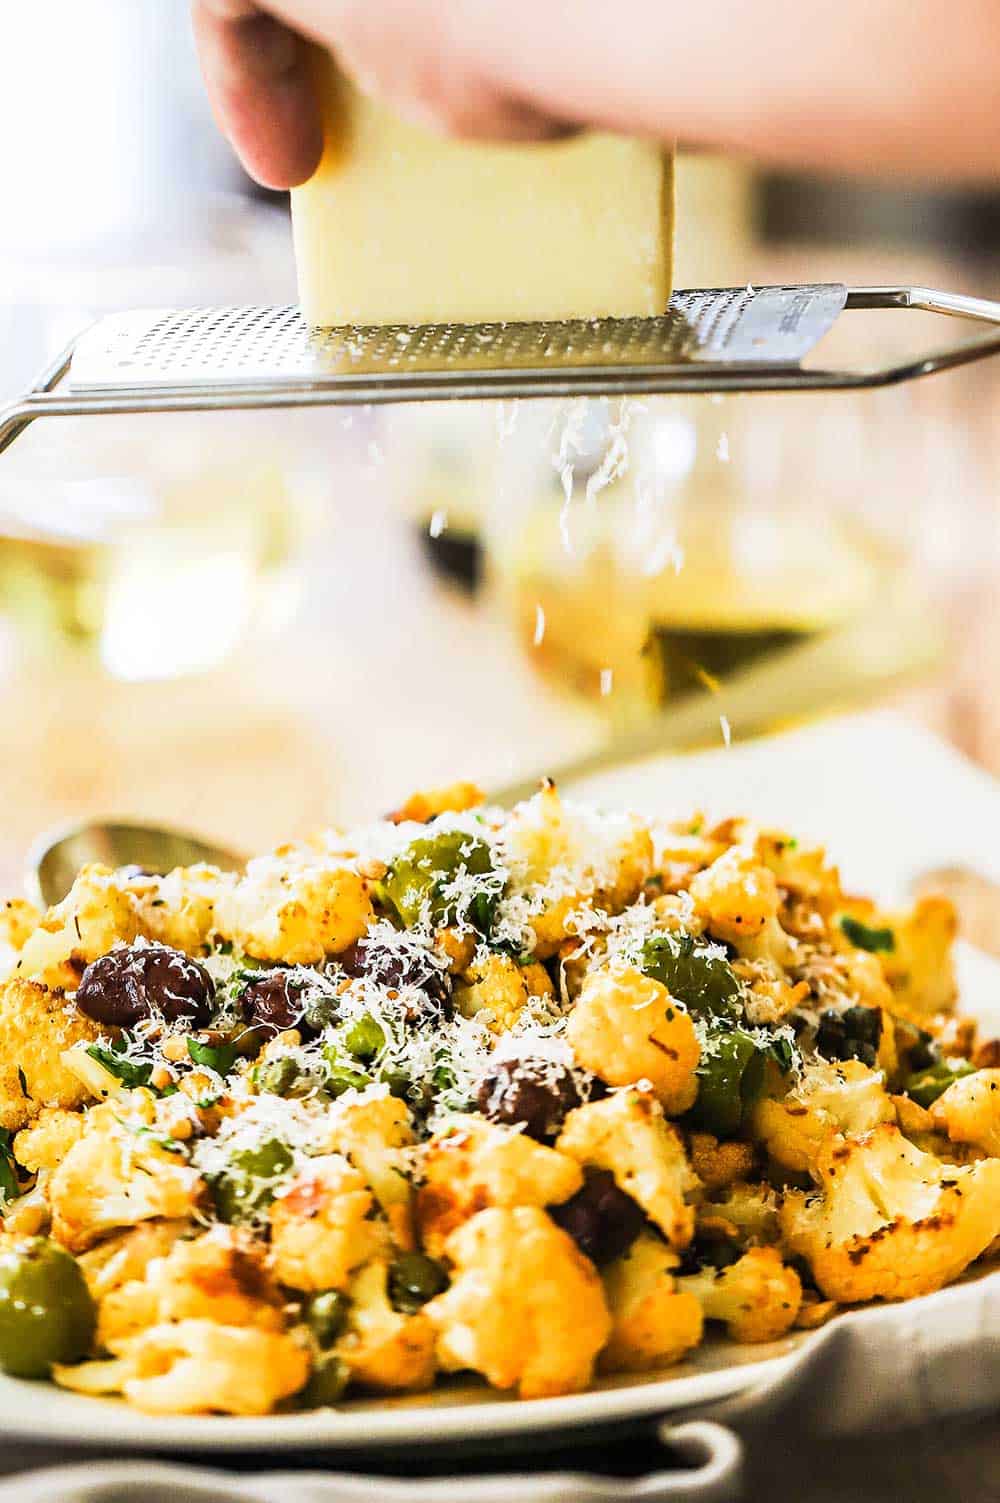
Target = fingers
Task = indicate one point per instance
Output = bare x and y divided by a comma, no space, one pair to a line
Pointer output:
430,62
259,83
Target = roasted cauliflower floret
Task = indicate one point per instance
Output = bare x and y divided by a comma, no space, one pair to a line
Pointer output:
626,1027
18,920
117,1175
720,1164
179,908
199,1367
919,967
891,1222
385,1350
829,1098
736,897
627,1134
374,1134
36,1026
525,1307
499,986
653,1322
578,856
50,1137
969,1111
757,1298
747,1213
472,1164
220,1276
97,913
294,909
455,799
322,1229
124,1257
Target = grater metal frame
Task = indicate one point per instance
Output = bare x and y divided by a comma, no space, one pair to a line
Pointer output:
92,376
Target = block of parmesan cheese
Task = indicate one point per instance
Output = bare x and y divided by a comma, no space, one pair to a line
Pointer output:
402,226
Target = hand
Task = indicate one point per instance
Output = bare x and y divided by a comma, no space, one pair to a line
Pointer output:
847,85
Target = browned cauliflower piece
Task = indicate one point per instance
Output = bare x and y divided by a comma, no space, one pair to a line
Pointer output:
179,908
219,1276
574,856
525,1307
383,1349
97,913
920,968
757,1298
717,1164
891,1222
124,1257
117,1175
199,1367
654,1323
845,1097
626,1027
18,920
50,1137
737,897
969,1111
748,1213
36,1027
472,1164
497,985
322,1228
454,799
296,907
374,1134
627,1134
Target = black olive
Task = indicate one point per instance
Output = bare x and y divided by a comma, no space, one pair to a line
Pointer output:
273,1002
602,1220
534,1093
144,981
399,968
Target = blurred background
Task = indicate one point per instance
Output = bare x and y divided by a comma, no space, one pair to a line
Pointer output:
249,624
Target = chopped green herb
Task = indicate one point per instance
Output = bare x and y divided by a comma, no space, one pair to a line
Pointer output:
865,938
131,1072
22,1081
10,1186
218,1057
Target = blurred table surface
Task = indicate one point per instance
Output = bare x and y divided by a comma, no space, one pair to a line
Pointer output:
388,680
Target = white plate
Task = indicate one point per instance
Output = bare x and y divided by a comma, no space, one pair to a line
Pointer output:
872,822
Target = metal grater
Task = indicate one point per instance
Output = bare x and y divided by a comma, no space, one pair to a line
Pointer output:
710,340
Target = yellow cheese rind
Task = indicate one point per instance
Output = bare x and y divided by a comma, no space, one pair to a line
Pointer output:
401,226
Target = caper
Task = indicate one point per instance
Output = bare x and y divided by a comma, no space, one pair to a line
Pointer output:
247,1185
46,1312
325,1315
330,1376
365,1038
320,1012
278,1076
416,882
414,1279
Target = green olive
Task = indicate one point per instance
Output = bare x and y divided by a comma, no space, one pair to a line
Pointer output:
413,1280
341,1074
416,882
46,1312
325,1315
330,1377
703,981
365,1038
730,1078
247,1185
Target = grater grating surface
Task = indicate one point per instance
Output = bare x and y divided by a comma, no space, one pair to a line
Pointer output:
198,347
710,340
